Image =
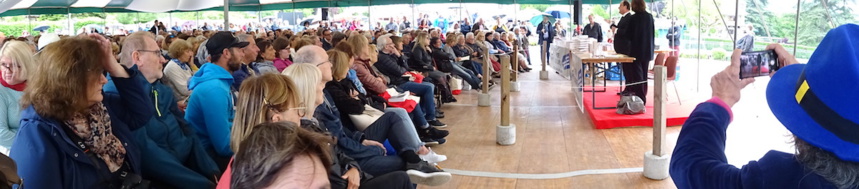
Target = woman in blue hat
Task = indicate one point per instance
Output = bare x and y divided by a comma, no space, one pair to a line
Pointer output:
810,100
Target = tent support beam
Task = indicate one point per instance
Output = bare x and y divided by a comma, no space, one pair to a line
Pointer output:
796,27
226,15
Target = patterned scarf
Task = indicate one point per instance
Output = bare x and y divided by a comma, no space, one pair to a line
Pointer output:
95,130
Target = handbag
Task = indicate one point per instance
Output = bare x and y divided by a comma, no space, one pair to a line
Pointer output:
455,85
630,104
443,66
366,118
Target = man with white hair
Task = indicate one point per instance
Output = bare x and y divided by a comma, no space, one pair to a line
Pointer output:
250,54
315,55
164,143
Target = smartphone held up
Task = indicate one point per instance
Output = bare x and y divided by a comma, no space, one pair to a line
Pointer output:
758,63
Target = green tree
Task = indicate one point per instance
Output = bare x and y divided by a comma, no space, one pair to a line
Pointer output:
819,16
598,10
539,7
134,18
759,17
688,11
52,17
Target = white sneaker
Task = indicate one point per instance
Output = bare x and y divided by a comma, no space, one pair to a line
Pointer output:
429,179
432,157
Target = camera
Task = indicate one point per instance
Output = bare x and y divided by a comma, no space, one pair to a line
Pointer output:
758,63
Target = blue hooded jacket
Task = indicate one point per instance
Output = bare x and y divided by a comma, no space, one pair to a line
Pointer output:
47,157
167,142
210,107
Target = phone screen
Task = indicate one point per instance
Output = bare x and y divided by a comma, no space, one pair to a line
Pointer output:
758,63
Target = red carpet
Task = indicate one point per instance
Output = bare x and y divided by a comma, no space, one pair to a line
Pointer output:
608,118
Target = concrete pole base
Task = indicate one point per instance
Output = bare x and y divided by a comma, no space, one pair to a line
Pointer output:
505,135
544,75
483,99
514,86
656,167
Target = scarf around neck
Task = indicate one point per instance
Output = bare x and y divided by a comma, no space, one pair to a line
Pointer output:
94,128
17,87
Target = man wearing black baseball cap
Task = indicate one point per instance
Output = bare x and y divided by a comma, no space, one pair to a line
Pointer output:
210,107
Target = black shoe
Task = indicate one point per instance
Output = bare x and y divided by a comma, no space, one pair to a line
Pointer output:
436,123
426,174
434,133
491,85
441,141
439,116
449,100
428,141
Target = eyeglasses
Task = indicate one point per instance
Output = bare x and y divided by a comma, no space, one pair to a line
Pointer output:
10,65
300,110
157,52
321,63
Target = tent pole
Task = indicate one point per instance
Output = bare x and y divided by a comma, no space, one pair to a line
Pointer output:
226,15
736,18
29,20
369,15
698,56
69,22
796,27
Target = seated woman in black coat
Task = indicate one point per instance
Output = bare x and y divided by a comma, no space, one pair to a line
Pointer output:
422,61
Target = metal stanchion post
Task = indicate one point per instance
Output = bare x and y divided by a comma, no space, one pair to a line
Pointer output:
484,97
544,75
656,162
505,133
514,83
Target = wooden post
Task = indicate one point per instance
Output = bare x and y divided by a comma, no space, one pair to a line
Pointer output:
544,75
505,90
487,71
657,161
659,117
543,58
483,99
505,133
515,61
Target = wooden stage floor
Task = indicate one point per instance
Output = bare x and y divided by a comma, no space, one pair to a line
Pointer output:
552,136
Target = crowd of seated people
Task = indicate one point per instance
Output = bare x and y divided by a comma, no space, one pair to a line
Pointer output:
177,110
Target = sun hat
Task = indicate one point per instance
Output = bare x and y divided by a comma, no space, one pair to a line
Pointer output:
47,38
817,101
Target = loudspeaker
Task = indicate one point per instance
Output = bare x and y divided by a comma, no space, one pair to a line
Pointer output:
325,14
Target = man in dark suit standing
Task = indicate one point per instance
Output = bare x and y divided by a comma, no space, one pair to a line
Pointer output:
545,32
621,40
640,33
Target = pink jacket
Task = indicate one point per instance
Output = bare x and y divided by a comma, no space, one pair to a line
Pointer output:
369,78
281,64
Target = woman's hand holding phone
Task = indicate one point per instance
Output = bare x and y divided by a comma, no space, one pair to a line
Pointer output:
784,58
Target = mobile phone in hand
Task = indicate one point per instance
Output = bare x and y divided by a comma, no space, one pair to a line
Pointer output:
758,63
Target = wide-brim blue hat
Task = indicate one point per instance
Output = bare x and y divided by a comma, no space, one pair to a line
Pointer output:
819,101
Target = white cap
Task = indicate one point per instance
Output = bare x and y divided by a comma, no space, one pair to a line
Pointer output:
48,38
